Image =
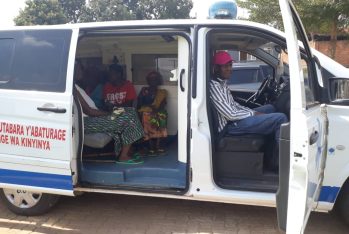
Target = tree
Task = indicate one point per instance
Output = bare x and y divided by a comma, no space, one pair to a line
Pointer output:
160,9
73,9
263,11
38,12
333,20
318,16
106,10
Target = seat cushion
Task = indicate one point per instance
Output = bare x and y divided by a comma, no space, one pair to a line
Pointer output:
97,140
239,164
243,143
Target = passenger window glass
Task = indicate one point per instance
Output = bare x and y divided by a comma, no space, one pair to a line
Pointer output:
142,64
247,69
242,76
309,95
38,60
6,48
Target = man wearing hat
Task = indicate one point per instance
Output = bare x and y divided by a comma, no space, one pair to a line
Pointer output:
234,118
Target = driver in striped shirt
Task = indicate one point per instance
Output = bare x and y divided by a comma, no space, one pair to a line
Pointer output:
233,118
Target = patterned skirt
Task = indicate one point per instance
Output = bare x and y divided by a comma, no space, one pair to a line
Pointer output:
125,128
154,125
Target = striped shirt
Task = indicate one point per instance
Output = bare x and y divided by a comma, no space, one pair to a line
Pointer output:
227,108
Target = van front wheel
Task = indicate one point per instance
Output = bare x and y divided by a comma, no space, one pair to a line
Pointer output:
23,202
342,203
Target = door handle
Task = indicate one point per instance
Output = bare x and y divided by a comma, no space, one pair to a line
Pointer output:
313,137
52,109
180,80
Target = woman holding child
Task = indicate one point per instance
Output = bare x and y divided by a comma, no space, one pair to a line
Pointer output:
151,106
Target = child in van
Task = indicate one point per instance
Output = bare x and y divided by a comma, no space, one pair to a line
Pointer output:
151,106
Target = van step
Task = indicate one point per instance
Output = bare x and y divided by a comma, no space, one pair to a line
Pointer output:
249,184
140,175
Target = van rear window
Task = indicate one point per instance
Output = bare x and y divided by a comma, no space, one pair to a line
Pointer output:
34,60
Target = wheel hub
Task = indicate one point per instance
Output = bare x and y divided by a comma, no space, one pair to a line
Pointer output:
22,198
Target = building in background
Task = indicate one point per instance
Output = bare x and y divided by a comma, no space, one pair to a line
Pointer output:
322,43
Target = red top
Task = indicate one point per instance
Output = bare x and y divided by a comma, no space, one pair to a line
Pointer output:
118,95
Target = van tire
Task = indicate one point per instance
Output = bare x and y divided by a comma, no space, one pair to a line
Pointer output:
38,203
342,203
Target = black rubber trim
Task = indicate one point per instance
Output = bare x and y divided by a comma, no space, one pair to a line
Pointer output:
181,80
53,109
195,61
284,171
116,27
80,132
155,190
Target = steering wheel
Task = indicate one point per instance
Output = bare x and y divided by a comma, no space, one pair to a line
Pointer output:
266,84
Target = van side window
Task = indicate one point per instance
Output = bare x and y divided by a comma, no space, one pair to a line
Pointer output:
247,69
34,60
308,86
309,92
142,64
6,51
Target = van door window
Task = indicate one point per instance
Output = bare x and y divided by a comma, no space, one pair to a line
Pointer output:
308,77
34,60
6,48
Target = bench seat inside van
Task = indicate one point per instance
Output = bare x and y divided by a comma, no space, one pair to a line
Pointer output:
97,140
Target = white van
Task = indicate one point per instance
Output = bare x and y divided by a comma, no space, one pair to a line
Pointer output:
45,153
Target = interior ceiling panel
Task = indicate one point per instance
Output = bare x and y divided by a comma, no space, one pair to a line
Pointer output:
237,41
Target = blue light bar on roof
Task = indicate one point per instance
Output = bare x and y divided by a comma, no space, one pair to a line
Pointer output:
223,10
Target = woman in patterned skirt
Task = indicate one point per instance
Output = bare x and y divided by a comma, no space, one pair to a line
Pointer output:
123,125
151,106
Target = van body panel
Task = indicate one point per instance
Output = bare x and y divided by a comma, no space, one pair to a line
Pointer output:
337,152
36,125
215,195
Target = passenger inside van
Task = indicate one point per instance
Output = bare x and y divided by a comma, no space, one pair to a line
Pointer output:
118,92
97,80
93,83
151,106
233,118
123,126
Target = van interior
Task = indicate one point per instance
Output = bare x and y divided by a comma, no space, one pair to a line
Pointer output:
138,55
252,162
242,162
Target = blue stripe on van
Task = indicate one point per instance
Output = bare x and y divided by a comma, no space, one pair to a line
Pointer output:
34,179
328,194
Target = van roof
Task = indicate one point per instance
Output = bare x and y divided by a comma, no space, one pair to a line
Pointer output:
175,23
149,23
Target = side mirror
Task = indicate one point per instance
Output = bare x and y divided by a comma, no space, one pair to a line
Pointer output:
338,89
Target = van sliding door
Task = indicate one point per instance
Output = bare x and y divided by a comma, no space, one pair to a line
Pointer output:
36,110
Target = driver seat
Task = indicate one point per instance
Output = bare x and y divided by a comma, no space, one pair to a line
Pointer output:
238,155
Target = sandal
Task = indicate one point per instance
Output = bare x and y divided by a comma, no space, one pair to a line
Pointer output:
136,156
152,153
161,151
130,162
